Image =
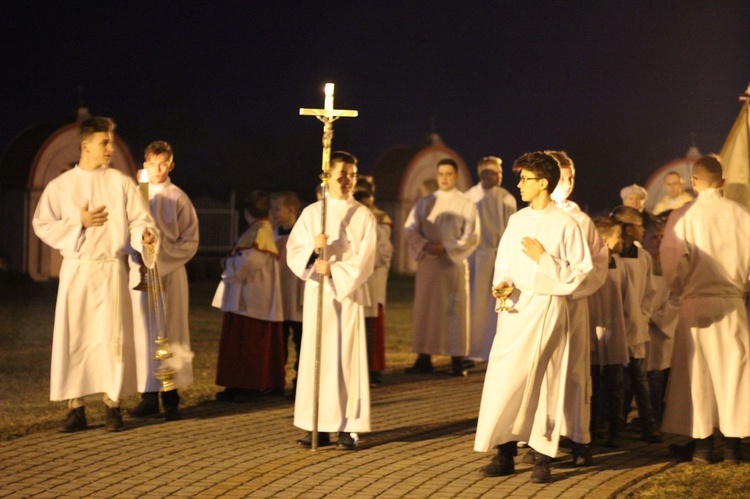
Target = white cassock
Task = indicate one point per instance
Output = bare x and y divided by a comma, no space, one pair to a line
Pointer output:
177,221
607,318
441,294
378,281
662,327
92,345
639,299
705,258
494,208
344,403
524,386
292,287
577,410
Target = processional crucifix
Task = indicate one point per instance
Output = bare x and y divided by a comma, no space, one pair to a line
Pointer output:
327,115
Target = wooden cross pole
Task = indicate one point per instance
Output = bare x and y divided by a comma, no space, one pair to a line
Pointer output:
327,115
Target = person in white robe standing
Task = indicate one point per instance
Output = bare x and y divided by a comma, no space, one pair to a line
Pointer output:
638,308
177,221
705,259
542,258
609,338
349,242
577,410
494,205
442,230
90,213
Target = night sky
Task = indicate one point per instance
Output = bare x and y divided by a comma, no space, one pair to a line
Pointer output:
622,86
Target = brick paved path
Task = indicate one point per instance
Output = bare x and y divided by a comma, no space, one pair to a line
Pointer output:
422,447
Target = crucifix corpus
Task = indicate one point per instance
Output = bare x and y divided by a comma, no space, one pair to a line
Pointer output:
327,115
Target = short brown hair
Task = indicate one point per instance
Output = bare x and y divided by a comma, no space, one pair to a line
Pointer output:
97,124
712,166
288,198
605,226
257,204
157,148
542,165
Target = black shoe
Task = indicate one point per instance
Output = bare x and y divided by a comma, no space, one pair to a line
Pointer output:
172,414
499,466
683,452
144,408
614,441
113,419
323,440
582,455
76,421
541,473
468,364
652,434
419,369
732,450
457,367
227,395
376,378
346,441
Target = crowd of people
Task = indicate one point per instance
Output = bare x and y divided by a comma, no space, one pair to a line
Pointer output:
574,317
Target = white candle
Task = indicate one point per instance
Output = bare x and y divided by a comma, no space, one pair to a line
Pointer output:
329,97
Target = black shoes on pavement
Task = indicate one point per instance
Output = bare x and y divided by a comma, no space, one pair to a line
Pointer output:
76,421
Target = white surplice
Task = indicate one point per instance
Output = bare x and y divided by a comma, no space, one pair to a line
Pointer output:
177,221
661,327
250,285
607,318
705,259
494,208
344,403
92,345
378,281
522,398
441,288
639,300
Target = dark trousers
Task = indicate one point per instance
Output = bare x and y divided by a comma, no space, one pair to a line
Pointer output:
608,393
636,383
657,384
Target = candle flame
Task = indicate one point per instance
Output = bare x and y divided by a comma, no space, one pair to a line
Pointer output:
142,176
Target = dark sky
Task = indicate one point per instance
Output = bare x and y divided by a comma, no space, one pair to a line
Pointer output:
620,85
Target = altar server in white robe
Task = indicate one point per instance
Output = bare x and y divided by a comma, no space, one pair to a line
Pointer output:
543,257
577,410
349,242
494,205
90,213
177,221
442,230
705,257
638,307
609,337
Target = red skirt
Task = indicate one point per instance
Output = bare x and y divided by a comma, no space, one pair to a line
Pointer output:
378,341
251,354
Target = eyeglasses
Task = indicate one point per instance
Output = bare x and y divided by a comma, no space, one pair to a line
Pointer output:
526,179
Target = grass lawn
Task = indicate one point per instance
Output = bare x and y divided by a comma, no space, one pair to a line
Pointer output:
28,311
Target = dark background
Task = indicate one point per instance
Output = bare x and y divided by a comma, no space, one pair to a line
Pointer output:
622,86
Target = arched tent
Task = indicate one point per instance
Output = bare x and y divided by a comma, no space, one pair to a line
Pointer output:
735,156
655,183
32,159
402,175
